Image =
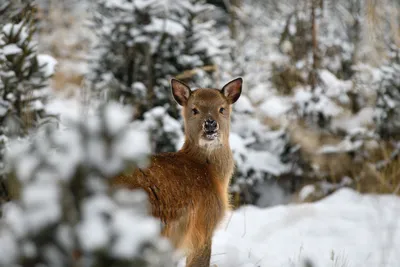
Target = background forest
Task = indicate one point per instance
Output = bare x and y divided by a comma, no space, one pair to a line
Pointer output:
84,94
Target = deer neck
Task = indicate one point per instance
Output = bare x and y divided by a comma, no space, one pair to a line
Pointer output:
218,159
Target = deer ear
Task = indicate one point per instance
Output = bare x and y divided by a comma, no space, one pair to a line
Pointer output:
232,90
180,91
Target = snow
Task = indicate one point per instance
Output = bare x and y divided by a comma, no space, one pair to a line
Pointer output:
4,107
169,26
48,62
8,247
116,117
264,161
362,119
160,123
41,201
275,106
316,103
11,49
119,4
259,93
243,105
66,109
346,227
344,146
11,29
138,151
335,86
132,231
93,234
306,191
13,216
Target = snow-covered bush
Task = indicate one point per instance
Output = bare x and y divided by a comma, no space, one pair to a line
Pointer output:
321,42
387,115
261,155
166,132
24,74
24,77
63,212
325,102
142,44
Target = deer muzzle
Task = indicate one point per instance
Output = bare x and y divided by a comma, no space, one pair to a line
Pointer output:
210,128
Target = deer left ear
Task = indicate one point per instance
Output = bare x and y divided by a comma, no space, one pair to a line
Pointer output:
180,91
232,90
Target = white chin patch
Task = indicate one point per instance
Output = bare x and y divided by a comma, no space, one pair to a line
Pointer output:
209,142
211,137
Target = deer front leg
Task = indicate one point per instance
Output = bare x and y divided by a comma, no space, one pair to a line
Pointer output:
200,257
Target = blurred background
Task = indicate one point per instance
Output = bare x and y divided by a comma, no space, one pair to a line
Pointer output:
320,108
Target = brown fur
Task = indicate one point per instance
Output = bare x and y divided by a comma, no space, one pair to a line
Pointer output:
188,189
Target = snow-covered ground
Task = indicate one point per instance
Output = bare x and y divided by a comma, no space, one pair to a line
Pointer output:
345,229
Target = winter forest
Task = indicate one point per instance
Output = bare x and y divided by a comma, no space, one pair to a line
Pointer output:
315,135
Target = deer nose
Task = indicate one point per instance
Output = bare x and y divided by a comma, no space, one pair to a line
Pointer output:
210,125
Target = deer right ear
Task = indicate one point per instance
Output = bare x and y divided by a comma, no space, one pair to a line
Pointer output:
232,90
180,91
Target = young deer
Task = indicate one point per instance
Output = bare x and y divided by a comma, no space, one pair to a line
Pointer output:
188,189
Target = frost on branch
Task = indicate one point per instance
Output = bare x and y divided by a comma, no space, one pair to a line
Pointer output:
24,76
387,114
144,43
166,132
260,155
63,212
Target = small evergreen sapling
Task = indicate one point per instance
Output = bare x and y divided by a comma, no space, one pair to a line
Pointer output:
63,213
387,114
261,155
24,74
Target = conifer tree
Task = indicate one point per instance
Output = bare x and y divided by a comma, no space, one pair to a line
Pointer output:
143,43
63,212
24,74
387,115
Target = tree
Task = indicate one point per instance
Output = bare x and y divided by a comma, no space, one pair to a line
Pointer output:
387,115
63,212
261,155
144,43
24,74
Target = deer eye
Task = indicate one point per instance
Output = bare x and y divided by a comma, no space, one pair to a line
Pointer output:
195,111
221,110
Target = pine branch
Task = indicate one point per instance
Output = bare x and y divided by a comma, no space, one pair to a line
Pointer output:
190,73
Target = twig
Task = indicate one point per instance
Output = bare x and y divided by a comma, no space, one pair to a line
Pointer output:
190,73
314,46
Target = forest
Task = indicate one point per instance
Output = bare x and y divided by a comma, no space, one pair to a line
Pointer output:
85,94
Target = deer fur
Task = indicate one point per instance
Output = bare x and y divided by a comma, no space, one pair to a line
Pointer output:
188,189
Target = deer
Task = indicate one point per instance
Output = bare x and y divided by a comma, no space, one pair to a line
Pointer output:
188,189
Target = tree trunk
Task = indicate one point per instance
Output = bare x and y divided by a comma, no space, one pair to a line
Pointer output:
313,73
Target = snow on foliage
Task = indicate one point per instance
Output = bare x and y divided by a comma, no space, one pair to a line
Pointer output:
388,101
141,45
260,155
63,212
147,42
166,132
24,76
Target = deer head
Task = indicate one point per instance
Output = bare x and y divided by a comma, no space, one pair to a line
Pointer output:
206,112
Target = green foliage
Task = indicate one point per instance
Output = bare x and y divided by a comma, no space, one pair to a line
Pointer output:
63,212
142,44
24,74
388,99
